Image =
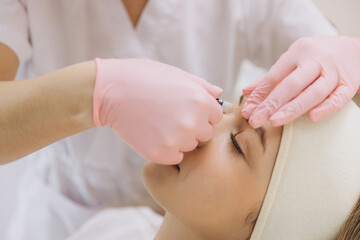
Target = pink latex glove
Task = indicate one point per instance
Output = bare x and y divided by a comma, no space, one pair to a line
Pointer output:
157,109
320,74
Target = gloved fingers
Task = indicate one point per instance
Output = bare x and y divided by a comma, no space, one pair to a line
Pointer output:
205,132
332,104
249,88
174,159
286,90
189,145
170,156
310,97
256,97
213,90
286,64
216,111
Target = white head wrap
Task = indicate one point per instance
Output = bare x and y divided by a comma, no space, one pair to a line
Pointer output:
315,181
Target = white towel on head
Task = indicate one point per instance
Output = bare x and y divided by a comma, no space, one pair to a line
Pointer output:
315,181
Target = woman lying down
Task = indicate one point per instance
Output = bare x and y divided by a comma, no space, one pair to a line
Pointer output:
300,181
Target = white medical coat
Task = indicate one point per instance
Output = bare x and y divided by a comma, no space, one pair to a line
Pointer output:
130,223
72,179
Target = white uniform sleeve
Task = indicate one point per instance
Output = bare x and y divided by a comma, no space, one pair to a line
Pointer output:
14,30
271,26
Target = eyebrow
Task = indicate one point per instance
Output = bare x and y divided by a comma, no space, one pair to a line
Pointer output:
260,131
241,99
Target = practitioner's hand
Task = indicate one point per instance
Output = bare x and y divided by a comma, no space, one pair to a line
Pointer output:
159,110
320,74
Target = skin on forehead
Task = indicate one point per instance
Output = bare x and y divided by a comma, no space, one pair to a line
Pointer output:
218,191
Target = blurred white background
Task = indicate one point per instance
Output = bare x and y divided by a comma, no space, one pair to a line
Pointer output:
343,13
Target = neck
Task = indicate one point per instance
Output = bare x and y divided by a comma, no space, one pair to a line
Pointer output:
174,229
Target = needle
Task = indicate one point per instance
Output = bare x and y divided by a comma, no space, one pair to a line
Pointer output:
224,104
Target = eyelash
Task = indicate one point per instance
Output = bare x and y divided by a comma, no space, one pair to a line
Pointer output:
234,142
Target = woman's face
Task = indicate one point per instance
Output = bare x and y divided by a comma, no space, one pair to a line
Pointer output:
218,189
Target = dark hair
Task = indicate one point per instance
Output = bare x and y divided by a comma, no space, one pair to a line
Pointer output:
351,228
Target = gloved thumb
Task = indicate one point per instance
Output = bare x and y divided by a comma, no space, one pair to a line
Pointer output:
249,88
214,90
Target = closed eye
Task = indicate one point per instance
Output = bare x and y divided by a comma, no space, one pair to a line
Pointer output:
234,142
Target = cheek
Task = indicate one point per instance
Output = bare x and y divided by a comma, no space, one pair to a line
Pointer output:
215,194
159,180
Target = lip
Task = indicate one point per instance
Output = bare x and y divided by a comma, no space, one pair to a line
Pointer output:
176,167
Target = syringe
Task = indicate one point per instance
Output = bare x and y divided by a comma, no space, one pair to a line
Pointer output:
224,104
